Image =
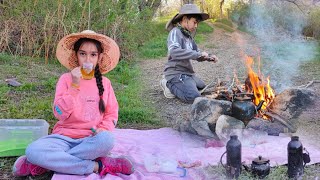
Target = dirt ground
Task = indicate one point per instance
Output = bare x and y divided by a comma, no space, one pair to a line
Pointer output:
229,49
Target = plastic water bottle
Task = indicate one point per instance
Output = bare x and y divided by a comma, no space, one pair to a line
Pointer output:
295,158
162,165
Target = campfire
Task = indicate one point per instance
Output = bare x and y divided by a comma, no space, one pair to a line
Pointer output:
247,103
256,89
255,86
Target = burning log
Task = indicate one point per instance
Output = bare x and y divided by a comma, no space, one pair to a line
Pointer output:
239,88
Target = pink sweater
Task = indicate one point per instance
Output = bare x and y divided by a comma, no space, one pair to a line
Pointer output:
77,109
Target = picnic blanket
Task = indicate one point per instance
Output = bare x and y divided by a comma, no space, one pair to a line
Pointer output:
156,153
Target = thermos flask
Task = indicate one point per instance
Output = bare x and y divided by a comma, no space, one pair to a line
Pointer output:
233,157
295,158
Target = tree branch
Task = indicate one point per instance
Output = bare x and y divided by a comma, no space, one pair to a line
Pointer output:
295,3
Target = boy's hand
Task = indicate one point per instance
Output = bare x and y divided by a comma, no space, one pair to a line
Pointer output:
212,58
203,57
204,54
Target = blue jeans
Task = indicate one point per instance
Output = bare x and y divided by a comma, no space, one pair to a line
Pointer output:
186,87
63,154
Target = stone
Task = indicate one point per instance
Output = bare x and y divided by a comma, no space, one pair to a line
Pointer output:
205,113
212,118
225,123
290,103
202,128
272,128
13,82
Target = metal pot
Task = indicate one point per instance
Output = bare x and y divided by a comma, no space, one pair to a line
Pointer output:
260,167
243,108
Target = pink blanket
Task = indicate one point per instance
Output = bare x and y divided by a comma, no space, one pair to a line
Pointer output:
156,154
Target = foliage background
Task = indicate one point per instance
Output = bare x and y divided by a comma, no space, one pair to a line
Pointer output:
34,27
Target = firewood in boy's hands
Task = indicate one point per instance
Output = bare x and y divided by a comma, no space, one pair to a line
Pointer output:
212,58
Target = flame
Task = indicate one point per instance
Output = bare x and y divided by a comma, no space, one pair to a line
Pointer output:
260,88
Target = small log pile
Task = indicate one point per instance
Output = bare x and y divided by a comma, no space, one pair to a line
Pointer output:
221,90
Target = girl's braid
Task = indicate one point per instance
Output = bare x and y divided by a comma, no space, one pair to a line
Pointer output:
98,76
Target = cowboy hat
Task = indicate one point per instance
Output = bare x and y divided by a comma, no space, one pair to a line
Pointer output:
186,9
68,58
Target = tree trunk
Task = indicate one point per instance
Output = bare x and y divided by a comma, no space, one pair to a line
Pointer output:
187,1
202,6
221,6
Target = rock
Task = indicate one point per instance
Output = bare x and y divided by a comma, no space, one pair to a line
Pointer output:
225,123
211,117
13,82
205,113
202,129
184,125
292,102
272,128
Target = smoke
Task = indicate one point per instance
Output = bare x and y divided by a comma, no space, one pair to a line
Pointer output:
278,29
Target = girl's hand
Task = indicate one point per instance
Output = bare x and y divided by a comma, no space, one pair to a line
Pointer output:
96,131
100,130
76,74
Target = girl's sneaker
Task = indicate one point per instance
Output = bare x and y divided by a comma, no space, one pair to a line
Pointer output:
24,168
116,165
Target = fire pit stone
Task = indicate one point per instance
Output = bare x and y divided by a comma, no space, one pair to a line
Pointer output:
284,111
205,113
292,102
272,128
227,122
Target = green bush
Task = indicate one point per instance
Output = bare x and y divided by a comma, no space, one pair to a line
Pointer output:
240,12
313,24
34,27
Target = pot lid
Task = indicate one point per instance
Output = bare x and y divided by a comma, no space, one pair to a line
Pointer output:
260,160
243,98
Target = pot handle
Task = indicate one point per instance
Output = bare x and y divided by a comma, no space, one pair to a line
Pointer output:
246,167
221,160
250,95
306,157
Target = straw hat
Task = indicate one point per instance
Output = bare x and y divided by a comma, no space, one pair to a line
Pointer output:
68,58
186,9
